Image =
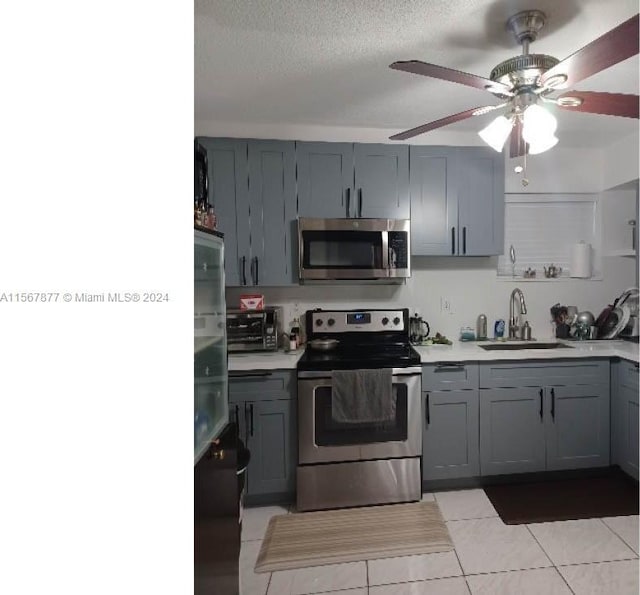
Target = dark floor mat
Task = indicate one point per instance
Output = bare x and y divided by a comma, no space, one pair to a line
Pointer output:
565,499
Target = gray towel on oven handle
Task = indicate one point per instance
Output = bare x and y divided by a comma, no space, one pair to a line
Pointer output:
362,396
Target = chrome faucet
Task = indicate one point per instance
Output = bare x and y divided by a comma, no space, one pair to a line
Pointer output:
513,320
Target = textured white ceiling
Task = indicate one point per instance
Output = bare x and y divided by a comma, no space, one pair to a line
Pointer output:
325,62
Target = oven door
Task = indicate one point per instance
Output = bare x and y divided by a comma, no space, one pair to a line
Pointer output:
321,439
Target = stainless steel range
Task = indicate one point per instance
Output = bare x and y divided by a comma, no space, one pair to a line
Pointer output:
359,411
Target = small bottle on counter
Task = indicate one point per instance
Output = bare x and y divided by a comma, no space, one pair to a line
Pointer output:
294,335
481,328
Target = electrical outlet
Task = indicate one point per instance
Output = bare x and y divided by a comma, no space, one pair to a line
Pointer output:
445,306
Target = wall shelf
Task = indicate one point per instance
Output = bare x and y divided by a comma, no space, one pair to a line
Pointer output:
622,252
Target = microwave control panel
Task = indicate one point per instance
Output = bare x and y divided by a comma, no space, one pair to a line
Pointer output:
398,250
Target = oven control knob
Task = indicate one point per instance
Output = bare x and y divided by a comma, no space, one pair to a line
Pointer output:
331,322
385,321
396,320
318,322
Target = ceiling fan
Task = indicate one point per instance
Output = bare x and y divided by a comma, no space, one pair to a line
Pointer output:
525,84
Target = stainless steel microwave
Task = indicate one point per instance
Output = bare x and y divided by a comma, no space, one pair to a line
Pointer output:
358,249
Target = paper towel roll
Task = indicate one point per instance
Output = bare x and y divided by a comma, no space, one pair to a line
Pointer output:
580,260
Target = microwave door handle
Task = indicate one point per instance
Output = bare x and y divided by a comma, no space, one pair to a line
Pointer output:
385,252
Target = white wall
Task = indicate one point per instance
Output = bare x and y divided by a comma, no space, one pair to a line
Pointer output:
620,161
470,284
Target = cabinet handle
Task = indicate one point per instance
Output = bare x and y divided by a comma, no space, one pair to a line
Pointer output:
257,273
238,417
541,410
632,223
244,272
359,202
251,415
427,415
449,366
248,374
246,421
553,404
348,202
464,239
453,240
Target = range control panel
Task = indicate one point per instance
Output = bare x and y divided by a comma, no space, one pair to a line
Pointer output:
348,321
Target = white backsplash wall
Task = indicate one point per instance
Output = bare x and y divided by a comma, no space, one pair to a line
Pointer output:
468,284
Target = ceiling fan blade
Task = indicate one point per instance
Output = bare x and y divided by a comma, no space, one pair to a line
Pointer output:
449,74
613,47
609,104
437,124
517,146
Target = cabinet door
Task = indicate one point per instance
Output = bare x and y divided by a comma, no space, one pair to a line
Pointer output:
272,200
512,438
450,435
325,179
577,426
480,183
229,195
434,203
628,415
381,181
272,466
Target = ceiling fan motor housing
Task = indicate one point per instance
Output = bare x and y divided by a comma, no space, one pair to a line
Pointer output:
522,70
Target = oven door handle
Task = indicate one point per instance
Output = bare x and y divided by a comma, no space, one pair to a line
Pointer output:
427,414
412,371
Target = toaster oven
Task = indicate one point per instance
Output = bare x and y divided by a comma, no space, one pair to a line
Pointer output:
253,330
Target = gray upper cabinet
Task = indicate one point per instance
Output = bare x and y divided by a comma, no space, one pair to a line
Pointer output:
229,195
382,181
457,201
353,180
480,201
325,179
434,200
252,186
273,209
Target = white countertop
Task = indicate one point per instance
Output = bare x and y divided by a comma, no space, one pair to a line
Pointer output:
471,351
272,360
458,352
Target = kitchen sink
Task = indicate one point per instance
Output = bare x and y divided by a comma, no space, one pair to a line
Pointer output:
524,345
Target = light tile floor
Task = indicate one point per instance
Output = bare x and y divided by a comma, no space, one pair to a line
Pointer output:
585,557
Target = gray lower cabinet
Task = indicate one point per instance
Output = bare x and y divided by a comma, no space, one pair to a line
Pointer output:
450,434
512,438
577,426
263,404
457,201
544,416
625,412
450,421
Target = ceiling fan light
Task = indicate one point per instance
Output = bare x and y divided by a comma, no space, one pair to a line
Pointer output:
542,145
496,133
538,124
